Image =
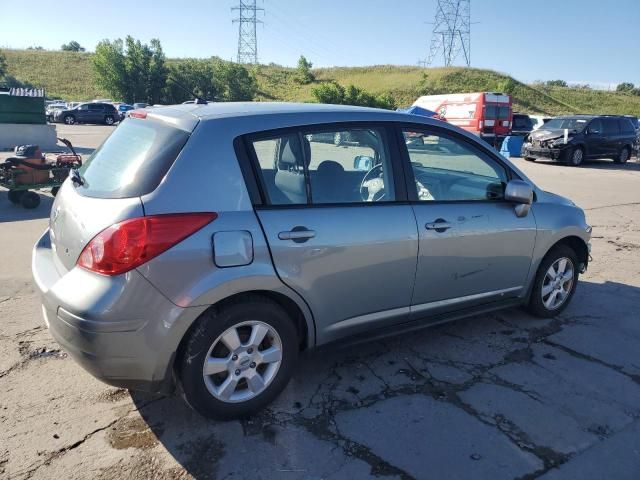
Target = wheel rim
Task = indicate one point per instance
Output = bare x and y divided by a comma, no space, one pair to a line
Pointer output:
577,157
242,362
68,120
557,283
109,120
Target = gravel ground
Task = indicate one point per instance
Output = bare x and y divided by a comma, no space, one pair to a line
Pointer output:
500,396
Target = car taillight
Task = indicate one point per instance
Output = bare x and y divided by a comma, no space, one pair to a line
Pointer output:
138,114
480,124
128,244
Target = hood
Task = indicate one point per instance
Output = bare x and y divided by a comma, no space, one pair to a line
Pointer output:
543,134
559,199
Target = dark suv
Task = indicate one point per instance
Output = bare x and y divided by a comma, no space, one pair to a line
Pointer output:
88,113
573,139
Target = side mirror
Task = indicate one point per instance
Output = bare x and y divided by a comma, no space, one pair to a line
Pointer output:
363,163
520,193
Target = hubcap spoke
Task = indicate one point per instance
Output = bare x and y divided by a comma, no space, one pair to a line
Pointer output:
271,355
255,382
547,290
562,266
257,334
231,339
552,272
568,276
226,389
550,303
216,365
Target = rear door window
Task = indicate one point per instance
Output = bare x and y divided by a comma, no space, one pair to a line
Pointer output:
133,160
611,126
329,166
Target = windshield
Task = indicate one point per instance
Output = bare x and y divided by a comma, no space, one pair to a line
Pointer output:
576,124
133,160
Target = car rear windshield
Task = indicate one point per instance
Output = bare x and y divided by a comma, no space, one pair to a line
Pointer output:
494,111
133,160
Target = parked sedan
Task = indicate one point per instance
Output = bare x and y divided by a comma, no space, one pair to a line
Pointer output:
163,268
88,113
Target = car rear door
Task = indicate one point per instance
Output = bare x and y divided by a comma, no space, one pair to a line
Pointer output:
96,113
611,136
595,139
348,249
473,249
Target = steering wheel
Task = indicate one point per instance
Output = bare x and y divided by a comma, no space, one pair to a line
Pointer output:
372,186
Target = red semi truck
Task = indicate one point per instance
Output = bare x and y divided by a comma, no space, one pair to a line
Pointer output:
486,114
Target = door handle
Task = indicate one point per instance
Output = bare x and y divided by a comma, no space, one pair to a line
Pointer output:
298,235
440,225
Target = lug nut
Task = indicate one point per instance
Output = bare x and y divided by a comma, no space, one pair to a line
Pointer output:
250,350
234,357
253,365
238,372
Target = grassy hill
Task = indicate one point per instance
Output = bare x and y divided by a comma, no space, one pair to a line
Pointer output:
69,75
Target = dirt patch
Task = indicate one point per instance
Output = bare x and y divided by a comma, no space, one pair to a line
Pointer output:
113,395
132,433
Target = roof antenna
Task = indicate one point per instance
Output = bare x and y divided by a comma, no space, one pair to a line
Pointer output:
198,100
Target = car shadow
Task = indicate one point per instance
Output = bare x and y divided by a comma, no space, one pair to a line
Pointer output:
10,212
339,378
632,164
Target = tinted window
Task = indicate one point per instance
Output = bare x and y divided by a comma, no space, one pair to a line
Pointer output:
495,111
133,160
626,126
96,107
611,126
522,122
328,166
446,169
596,126
83,107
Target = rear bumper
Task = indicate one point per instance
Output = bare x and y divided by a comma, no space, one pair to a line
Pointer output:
119,329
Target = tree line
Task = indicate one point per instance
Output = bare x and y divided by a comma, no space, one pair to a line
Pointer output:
132,71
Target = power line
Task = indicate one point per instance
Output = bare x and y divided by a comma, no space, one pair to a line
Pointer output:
451,34
247,37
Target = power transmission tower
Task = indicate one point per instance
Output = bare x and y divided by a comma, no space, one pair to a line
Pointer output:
451,32
247,37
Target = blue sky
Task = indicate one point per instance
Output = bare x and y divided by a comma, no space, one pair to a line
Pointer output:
576,40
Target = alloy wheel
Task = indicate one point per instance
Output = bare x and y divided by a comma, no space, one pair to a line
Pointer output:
577,156
557,283
242,361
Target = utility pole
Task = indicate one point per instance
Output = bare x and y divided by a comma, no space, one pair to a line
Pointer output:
451,32
247,37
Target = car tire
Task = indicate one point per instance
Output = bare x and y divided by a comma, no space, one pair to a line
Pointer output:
30,200
216,395
69,120
575,156
624,156
15,196
530,159
108,120
549,297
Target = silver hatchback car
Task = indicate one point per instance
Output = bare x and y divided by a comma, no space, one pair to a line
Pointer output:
206,246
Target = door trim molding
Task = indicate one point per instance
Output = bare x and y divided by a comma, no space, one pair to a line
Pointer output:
427,307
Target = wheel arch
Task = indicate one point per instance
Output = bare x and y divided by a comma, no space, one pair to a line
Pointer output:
306,331
574,242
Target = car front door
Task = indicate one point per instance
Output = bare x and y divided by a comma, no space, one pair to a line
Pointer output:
595,139
96,113
473,249
82,113
337,232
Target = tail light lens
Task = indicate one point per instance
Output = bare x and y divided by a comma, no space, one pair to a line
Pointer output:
129,244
